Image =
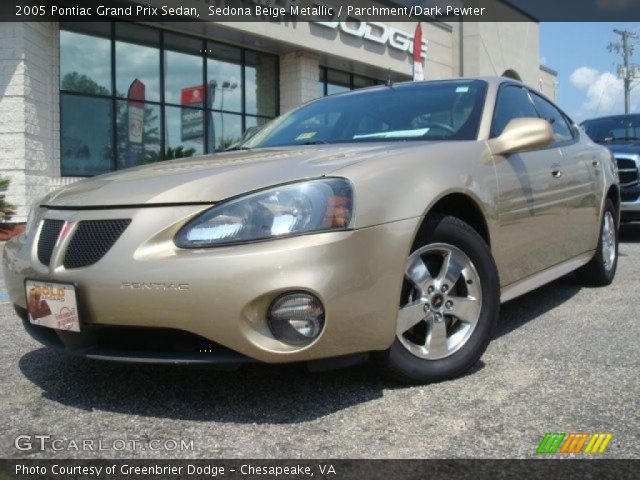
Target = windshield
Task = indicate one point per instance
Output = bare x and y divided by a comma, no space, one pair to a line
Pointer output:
611,129
447,110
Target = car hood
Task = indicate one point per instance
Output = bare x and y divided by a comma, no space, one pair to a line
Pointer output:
214,177
624,147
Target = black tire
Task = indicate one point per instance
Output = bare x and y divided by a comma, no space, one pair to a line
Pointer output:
595,272
401,365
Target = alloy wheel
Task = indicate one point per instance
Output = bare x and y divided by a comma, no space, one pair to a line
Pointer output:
608,241
442,301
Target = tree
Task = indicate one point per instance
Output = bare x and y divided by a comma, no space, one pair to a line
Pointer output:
6,209
170,154
76,82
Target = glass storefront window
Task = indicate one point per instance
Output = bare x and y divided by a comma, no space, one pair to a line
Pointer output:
362,82
138,133
147,122
182,69
86,135
85,60
224,77
335,81
226,129
184,132
137,58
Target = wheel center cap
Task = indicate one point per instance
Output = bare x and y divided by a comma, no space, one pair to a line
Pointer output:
437,301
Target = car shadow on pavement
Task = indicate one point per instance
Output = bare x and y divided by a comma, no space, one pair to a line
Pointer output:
532,305
630,233
256,393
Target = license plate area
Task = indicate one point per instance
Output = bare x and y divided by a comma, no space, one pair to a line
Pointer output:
52,305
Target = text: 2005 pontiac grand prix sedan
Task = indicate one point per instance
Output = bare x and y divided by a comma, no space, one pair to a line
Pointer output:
389,221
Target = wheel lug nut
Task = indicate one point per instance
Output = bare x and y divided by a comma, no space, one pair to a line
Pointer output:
430,289
449,304
444,288
426,307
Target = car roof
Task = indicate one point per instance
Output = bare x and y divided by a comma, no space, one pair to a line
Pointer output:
612,117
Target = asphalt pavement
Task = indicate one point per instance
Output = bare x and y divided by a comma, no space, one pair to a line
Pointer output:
565,359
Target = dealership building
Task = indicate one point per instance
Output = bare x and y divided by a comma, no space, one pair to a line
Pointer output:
82,99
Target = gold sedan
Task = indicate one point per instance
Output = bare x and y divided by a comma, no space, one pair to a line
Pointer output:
388,222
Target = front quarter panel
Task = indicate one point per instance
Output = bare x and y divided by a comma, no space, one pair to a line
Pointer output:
407,184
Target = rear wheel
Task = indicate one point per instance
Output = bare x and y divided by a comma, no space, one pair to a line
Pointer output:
449,306
601,270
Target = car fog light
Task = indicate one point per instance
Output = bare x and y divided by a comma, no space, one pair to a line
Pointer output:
296,318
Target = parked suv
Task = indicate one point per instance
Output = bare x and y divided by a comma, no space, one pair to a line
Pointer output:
389,221
621,134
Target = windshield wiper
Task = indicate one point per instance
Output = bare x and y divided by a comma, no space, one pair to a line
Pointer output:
237,147
315,142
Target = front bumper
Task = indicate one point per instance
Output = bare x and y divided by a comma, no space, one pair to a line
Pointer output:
221,295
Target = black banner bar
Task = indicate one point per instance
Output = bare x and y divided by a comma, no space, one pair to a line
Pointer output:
323,469
321,10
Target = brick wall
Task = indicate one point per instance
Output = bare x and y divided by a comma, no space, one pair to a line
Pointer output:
29,124
299,72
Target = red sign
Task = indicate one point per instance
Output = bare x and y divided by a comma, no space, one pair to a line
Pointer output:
136,93
192,95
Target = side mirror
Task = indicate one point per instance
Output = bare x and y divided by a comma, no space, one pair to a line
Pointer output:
522,134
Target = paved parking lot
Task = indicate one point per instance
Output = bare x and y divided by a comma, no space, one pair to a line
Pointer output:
565,359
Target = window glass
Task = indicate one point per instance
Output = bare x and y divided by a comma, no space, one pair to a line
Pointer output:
337,82
184,132
411,111
183,70
85,135
146,116
260,84
138,133
513,102
362,82
224,77
550,113
610,129
137,58
225,130
255,121
85,62
321,81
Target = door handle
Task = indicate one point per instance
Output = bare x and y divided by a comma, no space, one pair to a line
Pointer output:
556,173
596,163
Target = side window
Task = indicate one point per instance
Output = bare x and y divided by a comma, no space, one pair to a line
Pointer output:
561,128
513,102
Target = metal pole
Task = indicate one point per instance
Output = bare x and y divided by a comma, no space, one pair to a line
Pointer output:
627,75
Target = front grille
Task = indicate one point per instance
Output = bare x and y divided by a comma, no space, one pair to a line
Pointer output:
627,178
630,195
48,237
628,171
92,240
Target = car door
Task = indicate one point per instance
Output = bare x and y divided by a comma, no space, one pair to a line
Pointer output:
530,206
579,170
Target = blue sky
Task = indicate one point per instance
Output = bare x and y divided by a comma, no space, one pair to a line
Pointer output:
588,83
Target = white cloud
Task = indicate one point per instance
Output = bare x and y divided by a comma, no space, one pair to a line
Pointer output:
583,77
604,93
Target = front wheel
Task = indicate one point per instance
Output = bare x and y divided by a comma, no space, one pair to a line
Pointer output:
449,306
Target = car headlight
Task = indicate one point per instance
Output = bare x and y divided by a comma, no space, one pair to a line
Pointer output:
293,209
